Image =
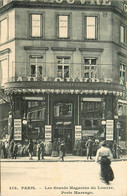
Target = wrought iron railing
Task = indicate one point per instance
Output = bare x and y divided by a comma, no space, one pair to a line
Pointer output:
22,71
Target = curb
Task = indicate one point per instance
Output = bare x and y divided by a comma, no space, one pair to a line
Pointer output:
45,161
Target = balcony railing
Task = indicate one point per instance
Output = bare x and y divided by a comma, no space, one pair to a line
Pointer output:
71,73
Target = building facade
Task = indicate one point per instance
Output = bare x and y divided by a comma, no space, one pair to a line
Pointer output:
63,64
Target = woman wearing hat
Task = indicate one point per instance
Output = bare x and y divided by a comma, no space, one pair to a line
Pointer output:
104,157
62,150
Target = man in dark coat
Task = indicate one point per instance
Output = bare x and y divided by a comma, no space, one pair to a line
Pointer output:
89,144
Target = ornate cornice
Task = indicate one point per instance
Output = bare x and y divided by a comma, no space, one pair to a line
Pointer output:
91,49
62,49
35,48
6,51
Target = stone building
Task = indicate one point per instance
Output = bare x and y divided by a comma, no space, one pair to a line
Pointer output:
63,64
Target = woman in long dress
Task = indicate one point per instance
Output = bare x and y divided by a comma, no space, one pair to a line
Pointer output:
104,157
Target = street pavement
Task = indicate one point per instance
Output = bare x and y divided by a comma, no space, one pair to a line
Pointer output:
73,177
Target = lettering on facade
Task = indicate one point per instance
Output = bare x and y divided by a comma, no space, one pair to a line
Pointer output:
125,7
78,132
48,133
17,129
91,2
109,129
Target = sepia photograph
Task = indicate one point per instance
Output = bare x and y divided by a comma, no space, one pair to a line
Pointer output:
63,97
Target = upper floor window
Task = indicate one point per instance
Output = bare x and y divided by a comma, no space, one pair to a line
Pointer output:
63,67
36,66
90,27
63,26
3,30
122,34
122,74
36,25
90,68
3,72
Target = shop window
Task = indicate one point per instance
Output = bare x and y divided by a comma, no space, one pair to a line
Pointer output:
90,68
122,74
63,67
36,25
122,34
63,26
36,66
63,109
3,31
90,27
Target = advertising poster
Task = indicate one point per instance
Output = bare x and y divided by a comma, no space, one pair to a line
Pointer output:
63,97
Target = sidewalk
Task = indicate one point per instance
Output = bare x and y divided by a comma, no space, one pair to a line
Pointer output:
68,158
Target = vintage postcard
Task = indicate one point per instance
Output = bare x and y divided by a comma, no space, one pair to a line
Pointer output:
63,97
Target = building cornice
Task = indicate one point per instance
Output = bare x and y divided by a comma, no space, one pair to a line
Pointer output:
6,51
35,48
91,49
62,49
122,54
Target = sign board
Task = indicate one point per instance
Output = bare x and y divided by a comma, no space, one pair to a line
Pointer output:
109,129
48,132
89,132
17,129
78,132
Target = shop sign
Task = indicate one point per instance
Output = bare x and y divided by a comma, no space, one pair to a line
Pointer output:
34,98
91,2
78,132
109,129
89,132
17,129
48,132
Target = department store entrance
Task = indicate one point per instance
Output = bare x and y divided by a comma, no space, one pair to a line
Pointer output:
63,124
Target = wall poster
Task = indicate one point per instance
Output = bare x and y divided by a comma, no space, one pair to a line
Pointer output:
63,68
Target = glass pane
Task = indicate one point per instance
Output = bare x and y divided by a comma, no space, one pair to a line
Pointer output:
66,71
90,32
93,61
39,71
87,61
63,26
36,30
3,30
66,60
122,34
90,21
59,71
33,68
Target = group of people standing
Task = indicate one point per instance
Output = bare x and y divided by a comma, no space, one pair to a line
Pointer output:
58,149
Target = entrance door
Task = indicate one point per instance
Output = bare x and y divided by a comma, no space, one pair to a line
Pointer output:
65,133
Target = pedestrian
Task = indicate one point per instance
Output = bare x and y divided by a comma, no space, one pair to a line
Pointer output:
55,148
3,150
42,149
104,157
114,149
62,150
30,149
15,150
89,144
11,148
38,150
